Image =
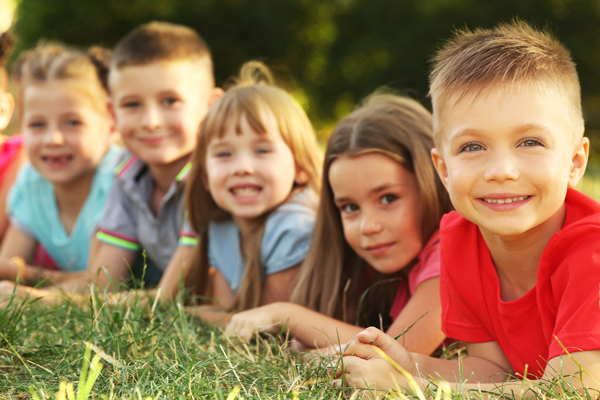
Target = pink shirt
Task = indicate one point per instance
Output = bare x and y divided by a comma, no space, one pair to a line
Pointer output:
426,268
8,153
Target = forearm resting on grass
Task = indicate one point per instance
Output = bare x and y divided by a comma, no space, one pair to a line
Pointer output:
312,329
486,370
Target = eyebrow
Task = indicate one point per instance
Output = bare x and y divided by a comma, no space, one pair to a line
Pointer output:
377,189
515,131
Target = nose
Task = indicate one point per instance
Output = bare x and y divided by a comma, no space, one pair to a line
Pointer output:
370,222
53,137
501,166
151,118
243,164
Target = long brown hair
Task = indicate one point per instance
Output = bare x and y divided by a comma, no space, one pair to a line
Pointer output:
400,128
253,93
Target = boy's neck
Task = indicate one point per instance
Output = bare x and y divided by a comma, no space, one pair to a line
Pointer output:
71,197
163,176
517,259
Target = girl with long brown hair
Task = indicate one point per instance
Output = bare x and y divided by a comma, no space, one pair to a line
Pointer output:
251,194
375,254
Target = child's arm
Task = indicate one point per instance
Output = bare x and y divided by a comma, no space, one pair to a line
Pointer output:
323,331
484,370
279,285
425,307
16,244
311,328
9,177
174,275
112,260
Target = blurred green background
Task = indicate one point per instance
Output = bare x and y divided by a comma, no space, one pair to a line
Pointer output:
329,53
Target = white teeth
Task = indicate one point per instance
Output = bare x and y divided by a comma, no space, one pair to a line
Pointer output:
247,191
505,201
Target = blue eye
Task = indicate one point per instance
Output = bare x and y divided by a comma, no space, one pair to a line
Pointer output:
388,198
73,122
223,154
263,150
531,143
471,147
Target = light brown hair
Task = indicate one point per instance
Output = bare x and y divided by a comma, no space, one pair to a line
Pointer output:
53,61
401,129
513,55
252,95
162,42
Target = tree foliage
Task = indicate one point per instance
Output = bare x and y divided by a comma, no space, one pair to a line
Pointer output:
331,53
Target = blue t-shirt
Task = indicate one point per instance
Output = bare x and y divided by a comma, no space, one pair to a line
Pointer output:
287,236
32,209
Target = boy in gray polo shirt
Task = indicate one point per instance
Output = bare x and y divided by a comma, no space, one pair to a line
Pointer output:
161,84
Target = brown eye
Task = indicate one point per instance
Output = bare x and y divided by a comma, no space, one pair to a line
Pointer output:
388,198
348,208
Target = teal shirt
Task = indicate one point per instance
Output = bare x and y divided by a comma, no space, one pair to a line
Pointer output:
32,209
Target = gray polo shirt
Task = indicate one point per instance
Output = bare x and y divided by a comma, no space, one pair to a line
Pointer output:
127,221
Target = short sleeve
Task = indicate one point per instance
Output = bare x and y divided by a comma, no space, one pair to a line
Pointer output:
575,293
118,226
18,202
429,265
286,240
187,236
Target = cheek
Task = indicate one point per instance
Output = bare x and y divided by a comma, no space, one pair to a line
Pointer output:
350,233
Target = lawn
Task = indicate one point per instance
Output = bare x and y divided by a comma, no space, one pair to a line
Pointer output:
156,351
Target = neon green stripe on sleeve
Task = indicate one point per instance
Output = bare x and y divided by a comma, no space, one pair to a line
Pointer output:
188,241
115,241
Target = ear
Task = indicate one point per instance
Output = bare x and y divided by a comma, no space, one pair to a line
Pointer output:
579,162
114,135
440,166
214,94
7,106
301,176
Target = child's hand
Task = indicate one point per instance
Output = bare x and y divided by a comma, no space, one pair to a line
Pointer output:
362,366
247,323
6,289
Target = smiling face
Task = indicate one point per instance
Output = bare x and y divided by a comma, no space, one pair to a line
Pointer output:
380,210
66,133
507,159
158,108
250,174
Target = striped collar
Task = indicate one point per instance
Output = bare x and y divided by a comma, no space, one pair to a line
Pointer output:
130,161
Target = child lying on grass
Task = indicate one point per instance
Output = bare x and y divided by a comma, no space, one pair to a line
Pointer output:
521,256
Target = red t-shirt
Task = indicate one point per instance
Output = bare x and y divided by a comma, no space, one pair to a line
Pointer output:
564,304
427,267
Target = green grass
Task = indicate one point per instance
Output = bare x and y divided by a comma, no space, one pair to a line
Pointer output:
155,352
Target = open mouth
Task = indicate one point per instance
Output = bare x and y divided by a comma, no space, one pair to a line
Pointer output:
57,160
505,201
247,191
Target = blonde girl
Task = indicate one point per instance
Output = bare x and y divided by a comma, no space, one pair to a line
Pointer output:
11,148
57,199
250,195
375,254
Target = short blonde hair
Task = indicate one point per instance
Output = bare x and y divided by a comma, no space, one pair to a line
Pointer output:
513,55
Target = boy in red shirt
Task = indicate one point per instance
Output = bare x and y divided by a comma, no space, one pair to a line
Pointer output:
521,255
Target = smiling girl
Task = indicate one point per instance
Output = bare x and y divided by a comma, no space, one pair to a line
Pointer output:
67,128
251,195
375,254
